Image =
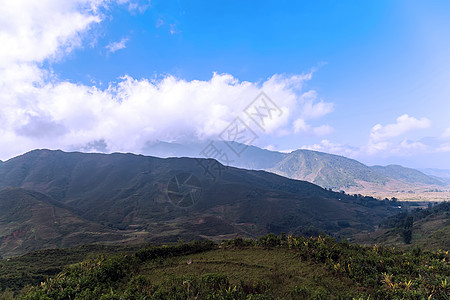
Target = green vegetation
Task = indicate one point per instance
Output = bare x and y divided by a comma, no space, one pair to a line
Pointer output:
428,228
35,267
271,267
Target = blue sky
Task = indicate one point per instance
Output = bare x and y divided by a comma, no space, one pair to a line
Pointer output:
365,79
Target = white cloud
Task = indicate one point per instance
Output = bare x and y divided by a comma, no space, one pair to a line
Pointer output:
129,114
32,31
406,148
334,148
300,126
313,109
410,145
40,111
446,133
445,147
276,148
403,125
137,5
380,139
115,46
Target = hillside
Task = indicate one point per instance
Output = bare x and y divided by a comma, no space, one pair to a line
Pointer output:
36,266
323,169
439,173
326,170
30,220
427,228
133,195
252,157
271,267
408,175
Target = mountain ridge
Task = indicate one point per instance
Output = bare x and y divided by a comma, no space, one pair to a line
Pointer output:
128,195
326,173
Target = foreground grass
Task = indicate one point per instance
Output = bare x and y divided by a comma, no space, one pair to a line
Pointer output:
35,267
271,268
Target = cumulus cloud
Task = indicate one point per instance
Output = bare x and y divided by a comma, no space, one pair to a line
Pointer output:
381,136
38,30
127,115
115,46
403,125
384,141
40,111
312,108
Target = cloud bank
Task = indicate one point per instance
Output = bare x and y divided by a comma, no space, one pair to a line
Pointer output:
40,111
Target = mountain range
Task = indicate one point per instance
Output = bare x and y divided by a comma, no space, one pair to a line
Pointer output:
324,169
54,199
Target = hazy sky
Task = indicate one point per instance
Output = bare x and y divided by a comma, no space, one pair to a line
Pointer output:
365,79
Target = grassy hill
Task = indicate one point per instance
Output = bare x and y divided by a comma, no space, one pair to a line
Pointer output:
271,267
128,195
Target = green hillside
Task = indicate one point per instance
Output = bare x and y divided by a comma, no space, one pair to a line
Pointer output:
271,267
427,228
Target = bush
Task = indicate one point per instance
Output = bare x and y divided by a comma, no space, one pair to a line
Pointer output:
269,241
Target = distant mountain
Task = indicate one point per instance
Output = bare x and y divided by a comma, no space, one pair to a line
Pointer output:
153,199
326,170
407,175
250,157
439,173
